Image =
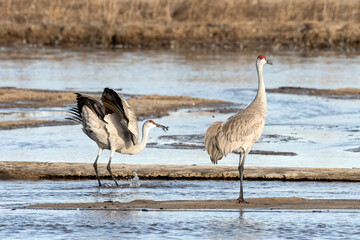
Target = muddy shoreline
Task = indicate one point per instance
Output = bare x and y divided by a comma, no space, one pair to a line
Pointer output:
144,106
17,170
341,93
276,203
36,98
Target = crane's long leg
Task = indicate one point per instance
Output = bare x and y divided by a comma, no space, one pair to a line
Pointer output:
241,173
109,167
95,166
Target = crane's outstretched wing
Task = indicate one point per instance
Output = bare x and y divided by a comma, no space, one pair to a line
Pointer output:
85,100
211,142
114,103
90,115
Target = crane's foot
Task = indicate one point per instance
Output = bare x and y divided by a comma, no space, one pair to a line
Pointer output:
114,179
116,183
111,174
241,200
99,183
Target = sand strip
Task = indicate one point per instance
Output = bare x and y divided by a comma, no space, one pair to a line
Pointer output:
276,203
58,171
144,106
341,93
28,123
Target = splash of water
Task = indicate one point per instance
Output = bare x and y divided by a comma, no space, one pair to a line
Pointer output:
135,182
108,185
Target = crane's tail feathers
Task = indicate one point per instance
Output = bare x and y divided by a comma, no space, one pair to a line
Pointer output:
213,151
211,143
216,158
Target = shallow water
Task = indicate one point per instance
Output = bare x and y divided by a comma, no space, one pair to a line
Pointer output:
23,193
190,73
15,114
320,131
45,224
208,224
315,145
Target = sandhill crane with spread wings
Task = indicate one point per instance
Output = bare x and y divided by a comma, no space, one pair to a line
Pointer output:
112,124
239,132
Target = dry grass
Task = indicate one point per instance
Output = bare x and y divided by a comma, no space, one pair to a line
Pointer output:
210,11
161,22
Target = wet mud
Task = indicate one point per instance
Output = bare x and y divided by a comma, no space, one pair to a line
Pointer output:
144,106
341,93
45,170
353,149
276,203
31,123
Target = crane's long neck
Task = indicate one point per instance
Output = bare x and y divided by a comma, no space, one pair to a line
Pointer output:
142,144
260,99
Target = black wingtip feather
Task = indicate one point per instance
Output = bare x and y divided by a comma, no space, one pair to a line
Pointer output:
83,100
112,96
73,119
94,105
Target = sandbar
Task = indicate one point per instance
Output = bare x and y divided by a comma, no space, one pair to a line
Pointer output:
270,203
341,93
21,170
144,106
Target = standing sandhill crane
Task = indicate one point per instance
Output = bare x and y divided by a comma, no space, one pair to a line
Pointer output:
112,124
240,131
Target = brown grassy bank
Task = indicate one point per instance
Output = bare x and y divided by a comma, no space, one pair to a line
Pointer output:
243,24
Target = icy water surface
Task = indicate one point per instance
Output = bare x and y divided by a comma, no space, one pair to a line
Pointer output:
317,131
208,224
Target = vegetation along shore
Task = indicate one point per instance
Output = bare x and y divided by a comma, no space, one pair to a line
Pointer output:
237,24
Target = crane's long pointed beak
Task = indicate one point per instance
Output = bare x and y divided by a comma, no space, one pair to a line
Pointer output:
164,128
268,61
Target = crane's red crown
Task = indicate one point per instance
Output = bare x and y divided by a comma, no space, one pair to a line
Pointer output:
151,121
261,57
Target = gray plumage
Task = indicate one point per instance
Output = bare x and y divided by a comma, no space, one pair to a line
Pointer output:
240,131
111,123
